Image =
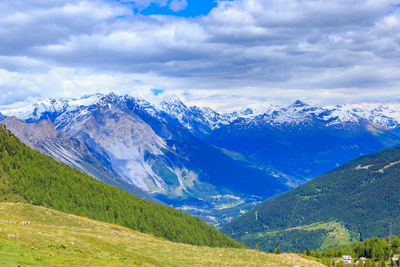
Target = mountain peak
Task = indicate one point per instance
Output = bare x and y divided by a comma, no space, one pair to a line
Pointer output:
298,104
172,100
173,106
248,111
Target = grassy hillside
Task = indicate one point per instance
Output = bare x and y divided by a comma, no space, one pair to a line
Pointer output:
355,201
29,176
37,236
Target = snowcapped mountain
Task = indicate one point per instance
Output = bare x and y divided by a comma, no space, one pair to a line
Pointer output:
302,141
207,163
199,121
387,116
383,115
49,108
203,120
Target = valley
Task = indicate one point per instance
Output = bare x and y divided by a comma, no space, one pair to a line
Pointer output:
185,133
260,191
167,152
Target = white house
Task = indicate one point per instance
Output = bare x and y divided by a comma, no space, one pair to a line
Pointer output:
346,258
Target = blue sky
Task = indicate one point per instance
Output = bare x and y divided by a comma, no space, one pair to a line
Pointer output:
188,8
222,54
194,8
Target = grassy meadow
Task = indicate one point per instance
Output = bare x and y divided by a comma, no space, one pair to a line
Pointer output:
37,236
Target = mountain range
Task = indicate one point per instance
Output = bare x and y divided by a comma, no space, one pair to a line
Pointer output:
214,165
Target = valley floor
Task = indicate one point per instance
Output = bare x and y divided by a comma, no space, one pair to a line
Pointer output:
37,236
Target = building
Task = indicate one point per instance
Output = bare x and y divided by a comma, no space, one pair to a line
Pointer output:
346,259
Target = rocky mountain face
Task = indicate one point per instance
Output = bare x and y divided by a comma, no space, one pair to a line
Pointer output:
43,137
215,165
123,139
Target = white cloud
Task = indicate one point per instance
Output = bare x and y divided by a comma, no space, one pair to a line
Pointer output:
174,5
177,5
246,50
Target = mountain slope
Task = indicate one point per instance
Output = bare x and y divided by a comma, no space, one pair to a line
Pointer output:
52,238
29,176
43,137
362,196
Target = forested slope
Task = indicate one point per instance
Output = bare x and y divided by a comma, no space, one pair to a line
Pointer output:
363,196
29,176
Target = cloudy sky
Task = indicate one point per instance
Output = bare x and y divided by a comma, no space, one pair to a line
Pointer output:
218,53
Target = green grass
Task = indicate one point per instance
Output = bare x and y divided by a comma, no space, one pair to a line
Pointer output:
322,236
54,238
337,235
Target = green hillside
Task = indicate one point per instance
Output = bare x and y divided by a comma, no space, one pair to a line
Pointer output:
29,176
37,236
378,249
353,202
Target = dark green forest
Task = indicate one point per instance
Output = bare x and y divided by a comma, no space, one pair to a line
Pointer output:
363,195
29,176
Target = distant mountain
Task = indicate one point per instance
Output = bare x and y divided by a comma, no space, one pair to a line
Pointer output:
199,121
35,178
49,108
42,136
302,141
2,117
293,143
358,200
215,165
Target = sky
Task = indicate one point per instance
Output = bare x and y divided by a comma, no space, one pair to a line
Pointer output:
222,54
